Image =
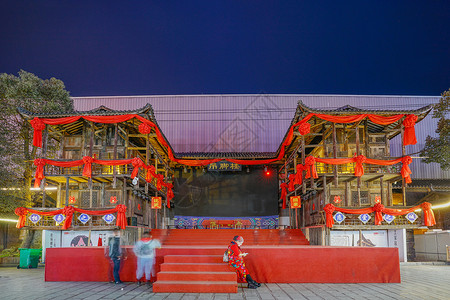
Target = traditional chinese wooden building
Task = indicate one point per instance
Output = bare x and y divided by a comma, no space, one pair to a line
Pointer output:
333,171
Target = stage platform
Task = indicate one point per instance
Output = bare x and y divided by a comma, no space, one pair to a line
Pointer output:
275,256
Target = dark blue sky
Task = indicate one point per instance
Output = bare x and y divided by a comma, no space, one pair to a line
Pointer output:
223,47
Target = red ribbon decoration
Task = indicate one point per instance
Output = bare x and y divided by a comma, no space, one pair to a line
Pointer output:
379,209
170,194
87,170
39,175
137,163
283,187
22,213
299,174
38,126
68,212
329,210
359,169
291,186
406,171
428,214
311,167
144,128
409,136
382,120
159,181
304,128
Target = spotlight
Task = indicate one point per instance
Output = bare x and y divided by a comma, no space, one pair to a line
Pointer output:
267,171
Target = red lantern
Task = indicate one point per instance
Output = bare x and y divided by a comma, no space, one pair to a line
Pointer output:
296,202
156,202
113,199
337,199
139,207
72,199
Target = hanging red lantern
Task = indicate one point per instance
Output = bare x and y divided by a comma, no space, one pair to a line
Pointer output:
139,207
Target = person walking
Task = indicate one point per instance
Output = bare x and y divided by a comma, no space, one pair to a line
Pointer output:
236,261
145,253
115,254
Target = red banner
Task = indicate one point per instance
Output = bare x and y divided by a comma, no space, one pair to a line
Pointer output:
379,209
68,211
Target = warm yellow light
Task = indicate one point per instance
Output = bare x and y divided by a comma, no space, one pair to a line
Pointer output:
8,220
437,206
47,188
10,189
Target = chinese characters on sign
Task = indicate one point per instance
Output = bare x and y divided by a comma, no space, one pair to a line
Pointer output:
295,202
339,217
224,166
156,202
108,218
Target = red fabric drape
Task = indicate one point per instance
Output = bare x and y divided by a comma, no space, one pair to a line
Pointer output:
379,209
137,163
304,128
283,187
68,211
409,136
170,195
428,214
147,125
310,166
291,182
299,174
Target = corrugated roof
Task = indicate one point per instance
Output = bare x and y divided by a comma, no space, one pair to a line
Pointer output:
258,123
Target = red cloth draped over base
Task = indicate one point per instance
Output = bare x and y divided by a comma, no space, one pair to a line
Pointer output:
68,211
379,208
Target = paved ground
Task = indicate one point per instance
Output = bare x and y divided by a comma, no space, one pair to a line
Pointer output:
419,281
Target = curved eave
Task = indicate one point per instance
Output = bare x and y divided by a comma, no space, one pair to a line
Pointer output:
100,111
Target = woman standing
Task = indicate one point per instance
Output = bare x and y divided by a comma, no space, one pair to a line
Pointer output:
236,260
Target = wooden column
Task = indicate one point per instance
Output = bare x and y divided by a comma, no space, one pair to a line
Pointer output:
116,135
303,163
67,190
335,170
383,198
91,146
403,154
44,154
358,188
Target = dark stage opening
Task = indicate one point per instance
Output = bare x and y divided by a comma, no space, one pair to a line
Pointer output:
250,192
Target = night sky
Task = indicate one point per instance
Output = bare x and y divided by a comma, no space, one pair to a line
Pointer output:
230,47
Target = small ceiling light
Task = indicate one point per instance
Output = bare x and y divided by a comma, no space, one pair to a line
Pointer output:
248,169
185,169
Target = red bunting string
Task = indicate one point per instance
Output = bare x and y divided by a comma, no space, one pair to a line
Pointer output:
379,209
68,211
87,170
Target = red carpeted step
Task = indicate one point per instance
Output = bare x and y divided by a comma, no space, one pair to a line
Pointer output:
196,267
197,276
195,287
193,259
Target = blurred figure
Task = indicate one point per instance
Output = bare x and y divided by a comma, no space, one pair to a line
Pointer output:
115,253
145,253
236,260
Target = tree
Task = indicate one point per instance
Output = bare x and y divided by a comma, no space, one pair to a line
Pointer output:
437,149
16,151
